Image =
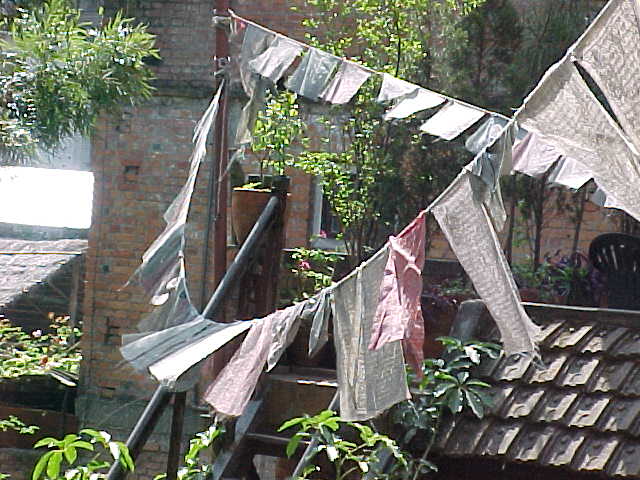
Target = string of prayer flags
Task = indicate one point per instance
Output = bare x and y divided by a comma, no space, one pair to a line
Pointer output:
275,61
162,259
314,73
466,224
266,55
451,120
399,313
345,83
564,112
266,341
609,52
420,99
175,322
369,381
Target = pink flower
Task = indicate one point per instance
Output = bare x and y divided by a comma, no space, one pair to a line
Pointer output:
37,333
304,265
322,234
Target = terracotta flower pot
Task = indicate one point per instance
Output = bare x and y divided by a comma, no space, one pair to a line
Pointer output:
246,206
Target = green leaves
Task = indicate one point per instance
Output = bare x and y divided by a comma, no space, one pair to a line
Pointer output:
336,441
447,384
14,423
66,450
193,468
277,128
57,74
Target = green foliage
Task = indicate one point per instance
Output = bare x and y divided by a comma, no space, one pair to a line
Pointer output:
67,450
40,353
557,277
414,40
312,270
14,423
447,385
351,447
194,468
277,127
58,74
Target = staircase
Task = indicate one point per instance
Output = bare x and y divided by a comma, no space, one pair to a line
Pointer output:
284,393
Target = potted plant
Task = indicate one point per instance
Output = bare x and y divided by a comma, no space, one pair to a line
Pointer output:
277,127
439,309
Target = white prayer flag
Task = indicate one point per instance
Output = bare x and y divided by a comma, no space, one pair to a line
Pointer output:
274,61
313,74
345,84
466,225
417,101
453,119
393,88
570,173
369,382
169,369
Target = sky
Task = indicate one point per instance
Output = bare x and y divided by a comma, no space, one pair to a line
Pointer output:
46,197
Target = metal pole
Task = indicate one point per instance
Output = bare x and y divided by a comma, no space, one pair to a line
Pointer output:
222,154
242,259
177,423
145,425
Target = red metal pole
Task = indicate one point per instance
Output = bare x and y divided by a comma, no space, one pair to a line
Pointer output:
221,160
218,195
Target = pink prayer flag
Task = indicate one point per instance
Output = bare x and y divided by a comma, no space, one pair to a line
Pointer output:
230,393
399,312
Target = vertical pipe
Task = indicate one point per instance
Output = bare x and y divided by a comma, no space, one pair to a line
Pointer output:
73,298
221,155
217,189
175,438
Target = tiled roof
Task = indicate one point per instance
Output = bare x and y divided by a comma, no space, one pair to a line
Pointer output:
581,412
25,264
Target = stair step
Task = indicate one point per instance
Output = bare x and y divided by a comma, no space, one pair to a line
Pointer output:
294,392
272,445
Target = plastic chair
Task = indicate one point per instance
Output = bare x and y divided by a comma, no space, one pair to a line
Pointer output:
617,256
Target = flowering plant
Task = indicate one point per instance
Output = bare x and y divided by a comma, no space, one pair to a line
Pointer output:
311,271
40,353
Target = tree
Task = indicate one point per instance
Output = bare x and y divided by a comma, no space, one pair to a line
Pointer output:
57,74
411,39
